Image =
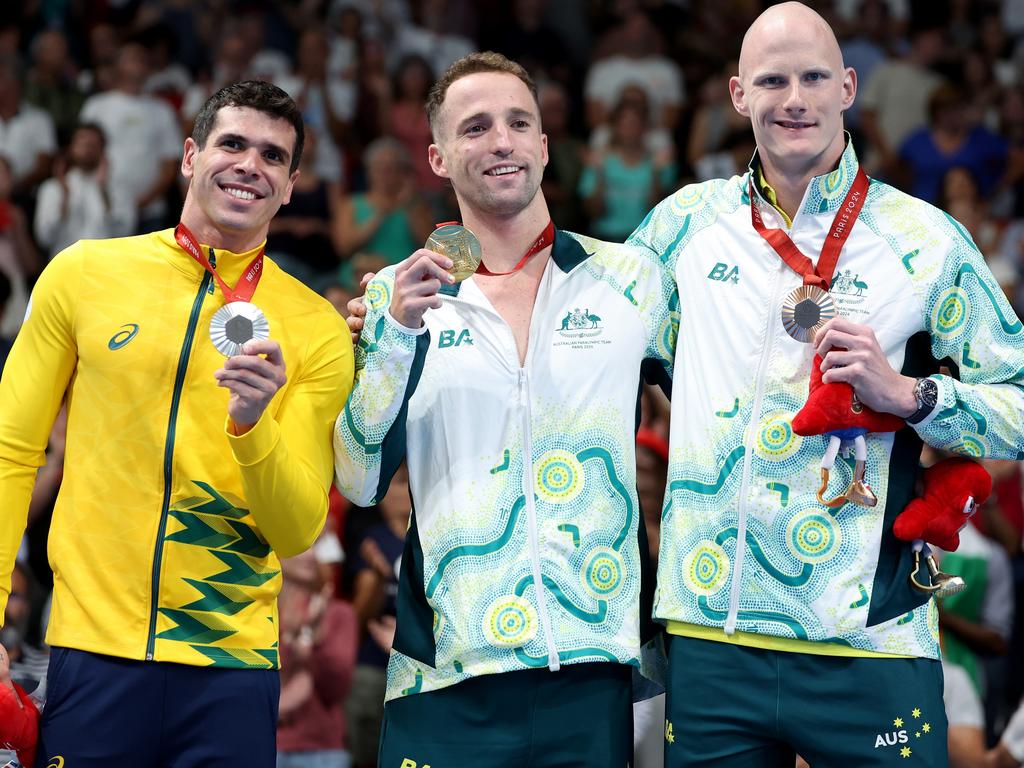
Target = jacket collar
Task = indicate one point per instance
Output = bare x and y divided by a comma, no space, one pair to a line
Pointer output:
825,193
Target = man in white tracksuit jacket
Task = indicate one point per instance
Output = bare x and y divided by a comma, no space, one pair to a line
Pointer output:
794,625
514,398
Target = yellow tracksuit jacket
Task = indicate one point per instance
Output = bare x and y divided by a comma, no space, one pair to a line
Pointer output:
167,530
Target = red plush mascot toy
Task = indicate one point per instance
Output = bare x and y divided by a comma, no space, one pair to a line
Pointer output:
953,489
19,718
833,410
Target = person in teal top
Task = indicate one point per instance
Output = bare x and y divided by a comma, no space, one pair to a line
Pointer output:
621,183
388,221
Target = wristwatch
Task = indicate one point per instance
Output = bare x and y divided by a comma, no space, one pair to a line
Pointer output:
926,392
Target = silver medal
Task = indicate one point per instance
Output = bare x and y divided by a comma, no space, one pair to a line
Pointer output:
236,323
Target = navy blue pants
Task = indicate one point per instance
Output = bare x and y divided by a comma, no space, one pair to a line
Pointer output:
111,712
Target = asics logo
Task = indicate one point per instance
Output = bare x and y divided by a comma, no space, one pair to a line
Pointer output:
122,337
58,761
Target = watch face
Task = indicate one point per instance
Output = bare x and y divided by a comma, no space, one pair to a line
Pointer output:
929,393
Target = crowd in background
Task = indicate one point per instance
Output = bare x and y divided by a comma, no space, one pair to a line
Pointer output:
96,97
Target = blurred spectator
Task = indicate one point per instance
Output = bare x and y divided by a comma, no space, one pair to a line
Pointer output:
103,50
79,202
407,118
865,49
1011,128
300,237
995,46
373,95
169,79
731,160
981,91
637,60
1010,259
327,104
620,184
656,139
434,33
186,22
387,222
318,649
143,138
520,32
380,18
716,120
966,718
566,154
976,622
376,566
851,10
894,101
52,84
19,260
1009,752
953,138
960,197
28,139
231,60
346,30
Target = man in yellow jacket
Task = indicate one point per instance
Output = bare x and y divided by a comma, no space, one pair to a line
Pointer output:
190,469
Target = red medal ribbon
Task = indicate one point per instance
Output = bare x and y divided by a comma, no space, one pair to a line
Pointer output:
842,224
544,239
246,285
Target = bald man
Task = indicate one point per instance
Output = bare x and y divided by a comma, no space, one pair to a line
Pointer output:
794,628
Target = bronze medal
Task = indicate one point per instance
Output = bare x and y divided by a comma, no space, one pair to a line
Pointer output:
805,311
458,244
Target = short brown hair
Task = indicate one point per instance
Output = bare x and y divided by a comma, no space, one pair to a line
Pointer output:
252,94
472,64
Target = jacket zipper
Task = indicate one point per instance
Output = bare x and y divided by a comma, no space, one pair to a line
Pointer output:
179,380
531,518
749,439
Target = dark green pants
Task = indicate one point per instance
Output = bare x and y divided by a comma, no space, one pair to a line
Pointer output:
578,717
743,707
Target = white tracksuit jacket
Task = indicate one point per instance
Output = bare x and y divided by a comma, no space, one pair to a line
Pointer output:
523,547
745,544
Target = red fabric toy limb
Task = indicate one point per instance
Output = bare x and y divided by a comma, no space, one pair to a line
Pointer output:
832,408
938,514
19,723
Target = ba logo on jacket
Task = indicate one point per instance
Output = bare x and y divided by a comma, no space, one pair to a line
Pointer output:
725,274
447,338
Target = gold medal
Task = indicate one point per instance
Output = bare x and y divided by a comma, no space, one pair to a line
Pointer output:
458,244
805,310
236,323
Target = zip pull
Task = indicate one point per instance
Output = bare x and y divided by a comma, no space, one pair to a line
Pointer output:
213,263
